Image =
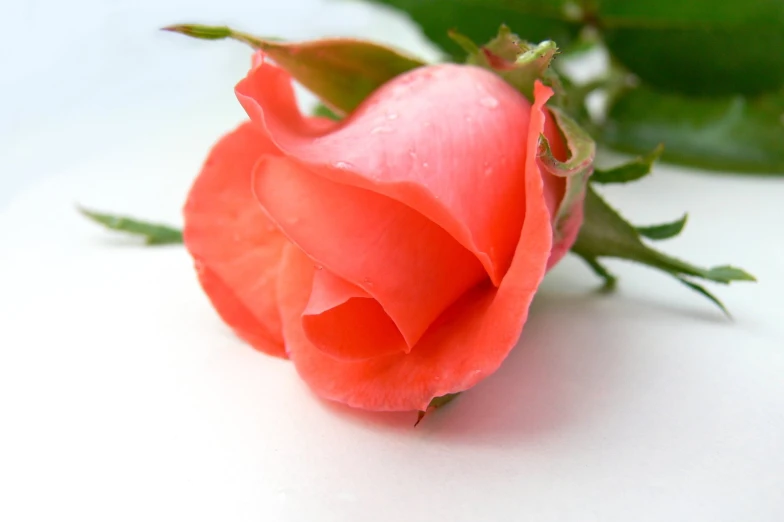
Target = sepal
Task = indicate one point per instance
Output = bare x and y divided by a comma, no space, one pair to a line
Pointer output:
342,72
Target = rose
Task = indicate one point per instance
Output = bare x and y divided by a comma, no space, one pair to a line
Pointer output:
392,256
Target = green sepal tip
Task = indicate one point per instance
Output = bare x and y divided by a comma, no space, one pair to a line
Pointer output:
435,403
153,233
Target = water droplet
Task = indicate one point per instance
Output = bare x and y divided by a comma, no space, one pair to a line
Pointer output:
425,164
319,267
488,171
199,266
367,282
468,119
489,102
382,130
412,153
409,78
392,116
343,165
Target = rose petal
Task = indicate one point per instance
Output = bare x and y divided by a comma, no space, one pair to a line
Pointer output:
554,186
411,266
569,231
343,320
444,140
467,343
554,190
235,247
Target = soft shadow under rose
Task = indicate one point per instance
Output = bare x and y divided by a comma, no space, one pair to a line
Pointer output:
392,256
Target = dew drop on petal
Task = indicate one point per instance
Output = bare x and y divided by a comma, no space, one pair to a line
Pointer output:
392,116
382,130
489,102
343,165
199,266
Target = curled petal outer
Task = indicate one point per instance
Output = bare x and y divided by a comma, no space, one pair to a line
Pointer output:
235,247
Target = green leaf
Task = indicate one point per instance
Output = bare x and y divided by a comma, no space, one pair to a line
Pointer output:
699,47
323,111
153,233
725,274
665,230
436,402
632,171
702,290
729,133
478,20
606,234
342,72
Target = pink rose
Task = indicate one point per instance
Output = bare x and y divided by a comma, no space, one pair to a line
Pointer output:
392,256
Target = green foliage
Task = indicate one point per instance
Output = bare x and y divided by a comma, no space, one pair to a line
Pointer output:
665,230
699,47
632,171
535,20
606,234
152,233
694,47
729,133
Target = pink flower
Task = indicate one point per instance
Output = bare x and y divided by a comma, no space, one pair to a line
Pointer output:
392,256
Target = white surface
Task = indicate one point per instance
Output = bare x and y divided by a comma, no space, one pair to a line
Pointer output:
122,396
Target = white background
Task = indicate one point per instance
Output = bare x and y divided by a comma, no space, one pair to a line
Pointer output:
123,397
